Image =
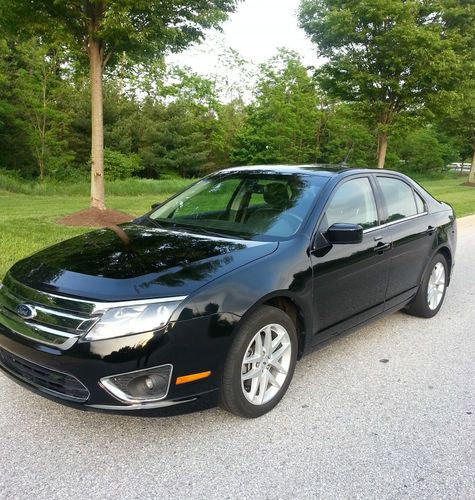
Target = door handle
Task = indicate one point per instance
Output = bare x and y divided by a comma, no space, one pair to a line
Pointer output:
430,230
382,247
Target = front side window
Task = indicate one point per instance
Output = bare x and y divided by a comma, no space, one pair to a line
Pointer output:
250,204
353,203
399,198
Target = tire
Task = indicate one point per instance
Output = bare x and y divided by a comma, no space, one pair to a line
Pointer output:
428,302
241,385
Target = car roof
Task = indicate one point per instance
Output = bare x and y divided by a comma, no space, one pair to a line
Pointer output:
315,169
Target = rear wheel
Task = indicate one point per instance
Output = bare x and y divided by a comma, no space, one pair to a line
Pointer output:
431,294
260,363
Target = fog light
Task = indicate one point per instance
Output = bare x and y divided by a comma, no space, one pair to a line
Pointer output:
149,382
142,386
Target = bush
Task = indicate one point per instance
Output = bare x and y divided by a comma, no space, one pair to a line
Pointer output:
424,151
119,165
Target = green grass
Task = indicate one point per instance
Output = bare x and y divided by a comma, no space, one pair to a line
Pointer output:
451,189
27,218
125,187
27,223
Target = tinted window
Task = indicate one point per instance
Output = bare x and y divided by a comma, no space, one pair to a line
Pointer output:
421,204
399,198
353,203
256,205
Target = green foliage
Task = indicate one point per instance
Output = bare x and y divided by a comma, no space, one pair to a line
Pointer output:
422,151
378,53
281,125
119,165
164,121
346,137
454,109
143,29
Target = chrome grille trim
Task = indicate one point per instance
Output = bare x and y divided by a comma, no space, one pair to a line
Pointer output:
45,299
52,326
59,321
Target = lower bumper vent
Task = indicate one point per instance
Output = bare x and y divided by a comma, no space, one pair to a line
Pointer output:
49,381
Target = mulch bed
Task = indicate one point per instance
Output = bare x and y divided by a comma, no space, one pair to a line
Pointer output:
93,217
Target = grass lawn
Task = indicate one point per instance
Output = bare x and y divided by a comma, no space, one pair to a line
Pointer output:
27,221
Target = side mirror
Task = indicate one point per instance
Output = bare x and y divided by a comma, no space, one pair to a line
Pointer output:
344,234
156,205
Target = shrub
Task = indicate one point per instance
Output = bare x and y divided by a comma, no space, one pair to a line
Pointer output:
119,165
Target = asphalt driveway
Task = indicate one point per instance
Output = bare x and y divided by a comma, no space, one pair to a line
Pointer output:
386,412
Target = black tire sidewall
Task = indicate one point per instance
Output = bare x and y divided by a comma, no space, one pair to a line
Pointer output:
232,397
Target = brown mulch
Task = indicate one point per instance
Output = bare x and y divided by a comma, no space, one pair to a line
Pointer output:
93,217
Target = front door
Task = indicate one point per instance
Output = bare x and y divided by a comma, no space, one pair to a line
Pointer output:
350,280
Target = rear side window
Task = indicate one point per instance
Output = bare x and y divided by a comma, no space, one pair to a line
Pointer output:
353,203
421,204
399,198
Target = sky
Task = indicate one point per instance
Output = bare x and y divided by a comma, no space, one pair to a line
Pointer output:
256,30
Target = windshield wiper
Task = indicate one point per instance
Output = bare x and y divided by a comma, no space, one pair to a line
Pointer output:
155,223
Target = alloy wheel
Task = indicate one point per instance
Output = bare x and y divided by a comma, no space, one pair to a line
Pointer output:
266,364
436,286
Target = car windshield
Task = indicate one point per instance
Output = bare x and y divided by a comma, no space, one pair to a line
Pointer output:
260,205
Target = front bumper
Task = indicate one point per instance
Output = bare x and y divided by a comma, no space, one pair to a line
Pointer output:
190,346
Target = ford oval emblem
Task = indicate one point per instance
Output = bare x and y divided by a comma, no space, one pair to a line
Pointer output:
25,311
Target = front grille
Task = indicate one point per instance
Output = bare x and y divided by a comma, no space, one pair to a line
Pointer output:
50,381
57,321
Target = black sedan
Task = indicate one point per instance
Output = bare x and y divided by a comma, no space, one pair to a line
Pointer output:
222,288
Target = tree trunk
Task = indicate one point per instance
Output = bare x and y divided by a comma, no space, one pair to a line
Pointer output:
471,175
97,127
382,148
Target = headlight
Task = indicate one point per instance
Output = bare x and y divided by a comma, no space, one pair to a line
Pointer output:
127,320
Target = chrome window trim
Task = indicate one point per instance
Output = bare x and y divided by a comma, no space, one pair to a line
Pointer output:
118,394
392,223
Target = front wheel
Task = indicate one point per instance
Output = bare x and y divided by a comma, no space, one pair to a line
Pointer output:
431,294
260,363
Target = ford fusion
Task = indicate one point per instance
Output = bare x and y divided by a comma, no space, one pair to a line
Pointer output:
221,289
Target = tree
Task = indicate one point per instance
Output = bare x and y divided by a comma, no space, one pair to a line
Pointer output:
346,138
177,127
388,54
456,108
102,30
281,125
39,89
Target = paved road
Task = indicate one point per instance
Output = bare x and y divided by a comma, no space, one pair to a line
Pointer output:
350,425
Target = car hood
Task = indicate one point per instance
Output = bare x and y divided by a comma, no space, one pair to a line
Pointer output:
132,261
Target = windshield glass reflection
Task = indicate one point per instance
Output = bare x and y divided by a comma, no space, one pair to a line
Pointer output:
255,205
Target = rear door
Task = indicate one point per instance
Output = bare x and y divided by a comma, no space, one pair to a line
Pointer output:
412,235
